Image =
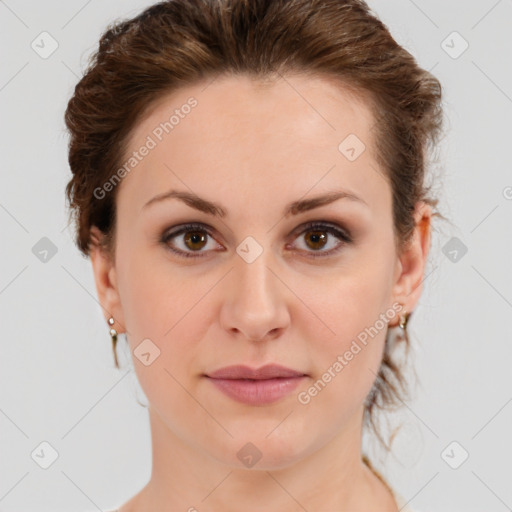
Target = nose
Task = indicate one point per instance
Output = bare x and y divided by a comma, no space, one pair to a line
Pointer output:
255,300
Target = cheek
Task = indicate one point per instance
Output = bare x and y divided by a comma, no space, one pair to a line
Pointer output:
349,302
349,342
346,365
161,306
167,306
151,294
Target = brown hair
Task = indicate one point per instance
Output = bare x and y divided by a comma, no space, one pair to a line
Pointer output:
179,42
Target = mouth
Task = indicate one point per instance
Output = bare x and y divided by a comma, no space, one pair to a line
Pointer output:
256,386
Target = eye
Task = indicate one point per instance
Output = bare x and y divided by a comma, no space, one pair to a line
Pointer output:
195,239
316,237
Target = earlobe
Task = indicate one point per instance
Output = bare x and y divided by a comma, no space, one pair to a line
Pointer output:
105,278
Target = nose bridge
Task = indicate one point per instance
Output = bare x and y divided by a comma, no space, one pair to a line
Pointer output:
255,303
255,279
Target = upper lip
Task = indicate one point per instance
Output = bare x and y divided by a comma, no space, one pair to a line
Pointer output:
269,371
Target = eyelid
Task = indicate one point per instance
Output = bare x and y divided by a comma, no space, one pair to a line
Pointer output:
323,224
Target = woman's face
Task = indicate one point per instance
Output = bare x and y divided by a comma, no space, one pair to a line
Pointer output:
250,283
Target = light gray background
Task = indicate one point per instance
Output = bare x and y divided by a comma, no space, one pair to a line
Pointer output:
58,382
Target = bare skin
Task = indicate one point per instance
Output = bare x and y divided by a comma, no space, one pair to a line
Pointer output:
254,149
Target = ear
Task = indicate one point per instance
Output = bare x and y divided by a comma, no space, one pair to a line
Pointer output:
412,262
106,280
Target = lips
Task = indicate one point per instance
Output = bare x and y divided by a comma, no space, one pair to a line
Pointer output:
256,386
269,371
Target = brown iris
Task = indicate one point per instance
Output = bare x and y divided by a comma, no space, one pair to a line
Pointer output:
316,237
195,237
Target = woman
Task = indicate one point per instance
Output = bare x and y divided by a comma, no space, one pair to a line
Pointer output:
248,181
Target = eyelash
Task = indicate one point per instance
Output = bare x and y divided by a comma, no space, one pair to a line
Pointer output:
312,226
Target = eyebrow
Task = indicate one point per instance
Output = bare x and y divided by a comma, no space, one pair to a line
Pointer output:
216,210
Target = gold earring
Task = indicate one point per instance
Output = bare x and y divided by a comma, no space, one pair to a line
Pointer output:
113,332
404,318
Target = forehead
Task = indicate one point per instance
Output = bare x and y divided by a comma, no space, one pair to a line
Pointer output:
289,135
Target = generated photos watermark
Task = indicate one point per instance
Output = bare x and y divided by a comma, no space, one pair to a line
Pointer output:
304,397
157,135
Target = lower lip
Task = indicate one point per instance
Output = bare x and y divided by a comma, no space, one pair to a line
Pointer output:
257,392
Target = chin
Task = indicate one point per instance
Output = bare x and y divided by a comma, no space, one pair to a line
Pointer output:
257,450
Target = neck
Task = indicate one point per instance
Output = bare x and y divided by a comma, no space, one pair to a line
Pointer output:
330,477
